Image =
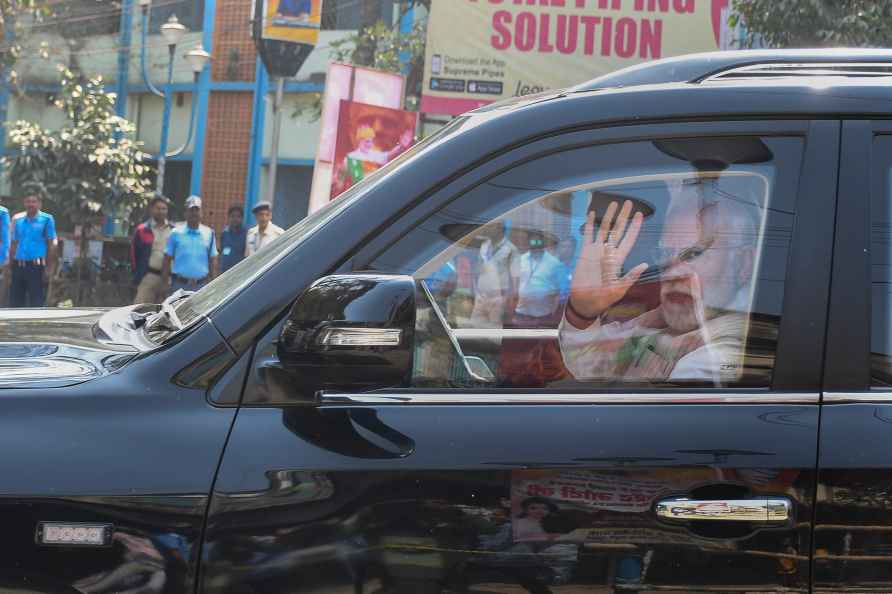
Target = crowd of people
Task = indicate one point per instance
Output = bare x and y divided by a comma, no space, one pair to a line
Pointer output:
164,256
687,319
515,278
167,257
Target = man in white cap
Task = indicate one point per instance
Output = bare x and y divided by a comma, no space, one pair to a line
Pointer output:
190,258
264,232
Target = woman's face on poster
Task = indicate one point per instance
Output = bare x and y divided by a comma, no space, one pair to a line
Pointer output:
537,511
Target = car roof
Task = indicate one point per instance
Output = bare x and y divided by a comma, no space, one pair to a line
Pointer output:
717,85
695,68
732,99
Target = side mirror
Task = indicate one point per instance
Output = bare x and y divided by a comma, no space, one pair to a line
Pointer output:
352,332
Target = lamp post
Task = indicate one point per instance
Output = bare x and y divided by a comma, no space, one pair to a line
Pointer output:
173,32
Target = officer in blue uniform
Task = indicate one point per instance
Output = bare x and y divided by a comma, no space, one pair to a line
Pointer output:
232,240
190,259
33,254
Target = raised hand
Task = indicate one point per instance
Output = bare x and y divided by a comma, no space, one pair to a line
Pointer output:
597,283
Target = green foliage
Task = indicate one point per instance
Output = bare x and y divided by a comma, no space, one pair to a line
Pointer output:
379,46
91,166
815,23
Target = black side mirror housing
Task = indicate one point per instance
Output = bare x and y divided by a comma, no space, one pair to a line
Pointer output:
350,333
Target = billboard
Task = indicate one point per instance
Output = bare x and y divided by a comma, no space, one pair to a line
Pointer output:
368,137
510,49
351,83
297,21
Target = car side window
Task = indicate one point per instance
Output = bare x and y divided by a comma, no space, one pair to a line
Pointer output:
881,267
637,264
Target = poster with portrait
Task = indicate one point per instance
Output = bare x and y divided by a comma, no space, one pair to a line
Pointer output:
297,21
368,137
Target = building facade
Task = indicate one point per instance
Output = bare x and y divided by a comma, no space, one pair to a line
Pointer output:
226,159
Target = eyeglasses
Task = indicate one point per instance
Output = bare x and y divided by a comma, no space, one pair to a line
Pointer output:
663,258
667,256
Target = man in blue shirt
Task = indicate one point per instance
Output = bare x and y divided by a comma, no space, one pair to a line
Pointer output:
542,280
232,240
33,254
190,258
4,235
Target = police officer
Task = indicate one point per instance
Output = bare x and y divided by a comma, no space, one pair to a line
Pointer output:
147,253
5,233
190,258
232,240
261,234
33,253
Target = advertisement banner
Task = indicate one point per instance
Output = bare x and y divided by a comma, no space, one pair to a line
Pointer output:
297,21
350,83
368,137
510,48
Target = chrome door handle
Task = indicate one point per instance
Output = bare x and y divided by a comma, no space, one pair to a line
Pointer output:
760,509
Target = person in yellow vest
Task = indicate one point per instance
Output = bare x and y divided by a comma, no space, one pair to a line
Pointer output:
264,232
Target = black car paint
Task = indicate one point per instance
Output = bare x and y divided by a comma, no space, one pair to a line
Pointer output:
386,506
129,448
853,540
378,516
138,443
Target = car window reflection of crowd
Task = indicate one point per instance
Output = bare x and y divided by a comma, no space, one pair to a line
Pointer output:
688,320
506,278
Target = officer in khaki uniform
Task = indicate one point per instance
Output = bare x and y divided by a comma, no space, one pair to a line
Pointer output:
147,253
261,234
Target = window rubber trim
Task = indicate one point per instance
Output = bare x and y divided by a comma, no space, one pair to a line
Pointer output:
508,398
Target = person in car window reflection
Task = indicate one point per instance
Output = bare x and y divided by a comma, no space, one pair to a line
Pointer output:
698,330
497,278
528,524
541,280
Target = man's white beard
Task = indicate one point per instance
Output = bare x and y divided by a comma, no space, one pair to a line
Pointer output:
718,297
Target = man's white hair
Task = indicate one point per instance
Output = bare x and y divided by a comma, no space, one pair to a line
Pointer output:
732,221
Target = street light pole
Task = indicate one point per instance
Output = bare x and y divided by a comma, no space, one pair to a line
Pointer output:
277,132
198,59
165,123
173,32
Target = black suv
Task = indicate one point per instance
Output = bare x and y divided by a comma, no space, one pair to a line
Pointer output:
634,335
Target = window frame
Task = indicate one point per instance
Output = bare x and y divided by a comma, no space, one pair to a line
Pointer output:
847,367
805,298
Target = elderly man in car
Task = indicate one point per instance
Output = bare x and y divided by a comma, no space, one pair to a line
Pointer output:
698,331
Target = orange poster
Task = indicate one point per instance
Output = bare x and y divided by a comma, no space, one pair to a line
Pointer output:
368,138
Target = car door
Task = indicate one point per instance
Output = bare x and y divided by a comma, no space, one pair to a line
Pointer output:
669,444
853,526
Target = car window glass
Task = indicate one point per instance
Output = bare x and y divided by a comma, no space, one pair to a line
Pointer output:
881,268
683,287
